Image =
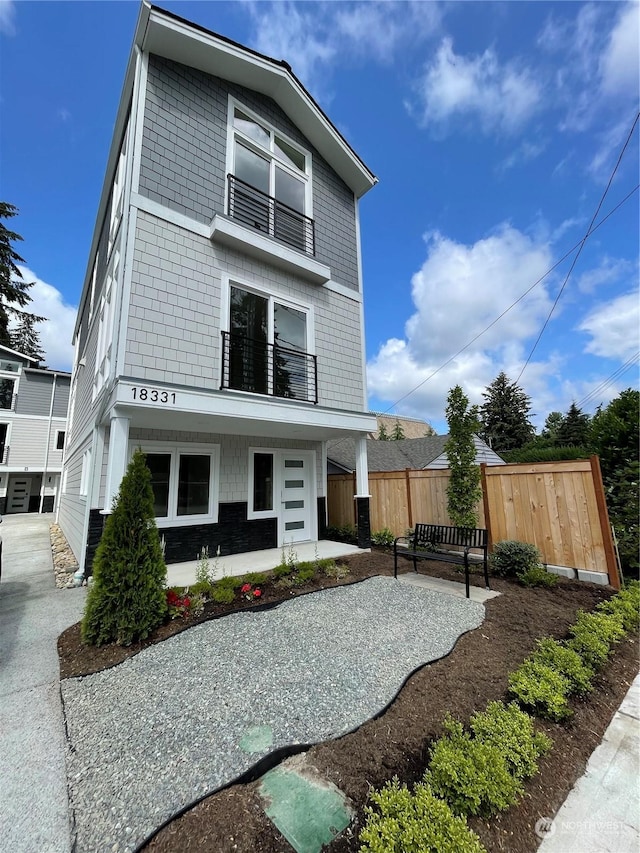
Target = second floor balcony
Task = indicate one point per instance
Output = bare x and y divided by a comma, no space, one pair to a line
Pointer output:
264,368
266,214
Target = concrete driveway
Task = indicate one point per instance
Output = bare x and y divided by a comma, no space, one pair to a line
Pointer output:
34,813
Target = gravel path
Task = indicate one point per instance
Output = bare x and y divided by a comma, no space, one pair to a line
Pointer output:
179,719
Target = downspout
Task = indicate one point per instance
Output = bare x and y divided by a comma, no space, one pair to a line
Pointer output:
46,452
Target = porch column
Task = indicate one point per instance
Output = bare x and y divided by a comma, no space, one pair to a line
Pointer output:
362,493
117,461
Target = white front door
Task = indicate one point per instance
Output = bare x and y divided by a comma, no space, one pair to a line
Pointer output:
297,495
19,494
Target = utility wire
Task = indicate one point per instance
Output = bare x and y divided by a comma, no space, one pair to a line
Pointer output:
582,244
513,304
599,389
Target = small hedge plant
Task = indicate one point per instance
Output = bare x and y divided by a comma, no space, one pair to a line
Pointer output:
414,822
626,604
538,576
383,537
511,558
594,634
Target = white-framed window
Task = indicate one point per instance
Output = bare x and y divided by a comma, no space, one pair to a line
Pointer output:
84,474
269,344
4,442
117,193
105,327
267,165
185,481
261,502
60,435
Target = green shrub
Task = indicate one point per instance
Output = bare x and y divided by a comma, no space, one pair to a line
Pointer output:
414,822
324,564
383,537
512,732
472,776
306,572
223,594
594,634
567,662
347,533
202,588
127,598
626,604
336,570
230,582
510,558
538,576
541,690
283,570
254,578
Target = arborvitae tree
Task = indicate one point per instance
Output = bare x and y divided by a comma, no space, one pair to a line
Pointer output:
13,290
505,415
575,428
127,598
383,435
615,437
25,339
463,491
397,433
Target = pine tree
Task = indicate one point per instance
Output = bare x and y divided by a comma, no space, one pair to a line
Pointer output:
505,415
575,428
25,339
127,598
383,435
397,433
13,290
463,491
552,426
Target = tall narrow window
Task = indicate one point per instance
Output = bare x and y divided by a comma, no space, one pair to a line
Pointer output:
3,442
249,357
160,466
193,485
262,482
6,393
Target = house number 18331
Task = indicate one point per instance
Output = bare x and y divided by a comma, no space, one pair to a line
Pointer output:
152,395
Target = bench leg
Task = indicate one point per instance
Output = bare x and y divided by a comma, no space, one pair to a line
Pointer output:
466,574
395,563
486,575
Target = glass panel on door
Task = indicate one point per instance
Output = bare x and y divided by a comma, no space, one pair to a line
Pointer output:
290,362
248,356
296,504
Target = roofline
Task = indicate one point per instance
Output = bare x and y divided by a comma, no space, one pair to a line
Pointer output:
15,352
48,371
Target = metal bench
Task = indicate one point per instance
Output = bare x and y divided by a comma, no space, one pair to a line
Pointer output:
429,542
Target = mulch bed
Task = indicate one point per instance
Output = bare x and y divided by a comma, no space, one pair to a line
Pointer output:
474,674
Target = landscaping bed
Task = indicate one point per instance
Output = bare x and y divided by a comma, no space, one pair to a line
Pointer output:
474,674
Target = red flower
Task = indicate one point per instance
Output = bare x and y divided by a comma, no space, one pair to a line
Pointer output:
257,593
245,588
186,602
173,598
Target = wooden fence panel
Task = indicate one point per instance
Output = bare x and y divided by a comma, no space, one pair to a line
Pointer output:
340,503
389,505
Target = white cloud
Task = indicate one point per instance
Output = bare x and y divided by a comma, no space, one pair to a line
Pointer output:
614,327
458,291
609,271
501,96
7,17
524,153
621,57
56,333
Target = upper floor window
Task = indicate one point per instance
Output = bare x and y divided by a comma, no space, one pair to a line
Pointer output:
7,387
269,182
105,328
60,439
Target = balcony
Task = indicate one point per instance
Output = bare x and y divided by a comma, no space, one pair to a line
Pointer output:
262,368
254,208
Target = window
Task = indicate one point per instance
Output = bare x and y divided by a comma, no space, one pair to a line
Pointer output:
3,442
267,347
6,393
105,328
60,439
262,491
271,187
84,474
184,482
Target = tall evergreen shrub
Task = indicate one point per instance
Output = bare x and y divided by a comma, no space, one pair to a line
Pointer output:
127,598
463,491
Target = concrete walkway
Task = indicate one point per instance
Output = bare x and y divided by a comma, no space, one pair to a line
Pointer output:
34,810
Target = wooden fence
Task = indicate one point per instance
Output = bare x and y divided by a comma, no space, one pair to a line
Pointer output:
557,506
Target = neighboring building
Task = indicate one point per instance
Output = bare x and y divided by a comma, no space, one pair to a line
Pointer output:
220,326
411,427
414,453
33,423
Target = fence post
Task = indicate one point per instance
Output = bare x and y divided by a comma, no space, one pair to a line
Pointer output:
485,504
407,472
355,508
605,525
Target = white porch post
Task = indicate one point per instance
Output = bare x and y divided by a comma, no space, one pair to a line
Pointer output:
117,461
362,468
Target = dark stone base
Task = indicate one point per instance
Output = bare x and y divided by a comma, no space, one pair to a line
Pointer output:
364,522
233,534
322,518
47,503
3,505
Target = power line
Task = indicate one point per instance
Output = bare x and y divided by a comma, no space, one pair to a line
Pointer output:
582,244
513,304
599,389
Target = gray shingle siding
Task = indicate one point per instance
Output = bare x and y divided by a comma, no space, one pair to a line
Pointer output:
61,399
34,394
183,162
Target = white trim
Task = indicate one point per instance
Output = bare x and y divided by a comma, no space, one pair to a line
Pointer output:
154,208
123,297
137,121
84,474
278,455
175,450
267,513
342,290
20,417
363,348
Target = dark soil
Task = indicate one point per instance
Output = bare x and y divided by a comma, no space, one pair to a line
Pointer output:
474,674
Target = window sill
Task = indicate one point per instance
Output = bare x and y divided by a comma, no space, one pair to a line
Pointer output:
185,521
227,232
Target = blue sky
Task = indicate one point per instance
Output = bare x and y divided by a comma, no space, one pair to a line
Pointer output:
492,127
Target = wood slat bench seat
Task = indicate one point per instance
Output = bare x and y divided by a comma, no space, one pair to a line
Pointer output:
429,541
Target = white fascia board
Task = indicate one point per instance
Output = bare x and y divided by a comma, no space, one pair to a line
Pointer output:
197,48
250,242
224,411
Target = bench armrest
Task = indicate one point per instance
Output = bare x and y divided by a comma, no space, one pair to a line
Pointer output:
406,539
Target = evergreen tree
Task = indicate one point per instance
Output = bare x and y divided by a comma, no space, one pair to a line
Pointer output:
463,491
575,428
13,290
398,432
127,598
505,415
25,339
383,435
552,426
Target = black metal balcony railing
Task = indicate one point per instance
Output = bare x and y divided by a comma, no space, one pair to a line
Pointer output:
258,210
250,365
4,454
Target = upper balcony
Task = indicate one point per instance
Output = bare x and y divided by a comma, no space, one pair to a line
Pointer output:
268,229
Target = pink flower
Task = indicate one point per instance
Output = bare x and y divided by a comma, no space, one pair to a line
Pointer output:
257,593
244,589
